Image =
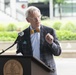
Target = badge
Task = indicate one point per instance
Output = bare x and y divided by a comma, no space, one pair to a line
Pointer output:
12,67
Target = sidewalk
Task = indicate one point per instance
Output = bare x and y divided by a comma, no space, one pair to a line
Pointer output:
66,66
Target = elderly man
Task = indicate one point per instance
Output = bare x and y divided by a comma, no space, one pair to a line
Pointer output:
38,40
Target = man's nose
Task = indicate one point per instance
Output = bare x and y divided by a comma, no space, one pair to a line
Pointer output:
37,19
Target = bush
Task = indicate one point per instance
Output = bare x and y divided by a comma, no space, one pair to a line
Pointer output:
47,22
26,25
66,35
11,27
2,28
57,25
66,32
7,36
62,35
69,26
44,17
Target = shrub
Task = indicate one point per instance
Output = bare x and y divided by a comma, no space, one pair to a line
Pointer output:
57,25
26,25
44,17
2,28
62,35
6,36
11,27
66,35
66,32
69,26
47,22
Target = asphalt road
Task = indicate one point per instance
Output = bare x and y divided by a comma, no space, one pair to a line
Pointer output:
66,66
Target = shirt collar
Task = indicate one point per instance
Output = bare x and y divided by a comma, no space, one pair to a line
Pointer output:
32,28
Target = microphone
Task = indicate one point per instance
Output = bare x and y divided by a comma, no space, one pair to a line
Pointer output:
16,41
19,37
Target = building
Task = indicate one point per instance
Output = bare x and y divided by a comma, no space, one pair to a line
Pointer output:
68,9
13,8
16,8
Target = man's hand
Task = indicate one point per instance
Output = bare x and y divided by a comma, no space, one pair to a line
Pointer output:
49,38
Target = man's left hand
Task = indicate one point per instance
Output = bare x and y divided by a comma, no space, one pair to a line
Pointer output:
49,38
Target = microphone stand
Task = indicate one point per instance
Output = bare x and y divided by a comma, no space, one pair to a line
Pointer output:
7,48
16,41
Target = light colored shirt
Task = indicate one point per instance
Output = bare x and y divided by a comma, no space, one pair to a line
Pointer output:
35,42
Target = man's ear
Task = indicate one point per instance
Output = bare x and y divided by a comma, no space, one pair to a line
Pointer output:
27,20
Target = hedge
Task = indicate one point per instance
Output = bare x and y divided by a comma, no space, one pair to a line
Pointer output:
64,30
62,35
8,36
66,35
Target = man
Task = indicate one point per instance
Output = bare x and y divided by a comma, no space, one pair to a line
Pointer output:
38,40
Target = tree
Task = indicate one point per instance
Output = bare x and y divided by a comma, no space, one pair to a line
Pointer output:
59,2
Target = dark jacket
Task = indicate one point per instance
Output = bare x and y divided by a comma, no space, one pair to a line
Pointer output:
46,50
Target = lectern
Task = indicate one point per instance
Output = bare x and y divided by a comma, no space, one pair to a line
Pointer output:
22,65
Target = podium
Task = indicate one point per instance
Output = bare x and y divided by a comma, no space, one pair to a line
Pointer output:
22,65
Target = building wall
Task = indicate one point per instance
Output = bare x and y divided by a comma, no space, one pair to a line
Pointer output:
44,8
68,9
14,8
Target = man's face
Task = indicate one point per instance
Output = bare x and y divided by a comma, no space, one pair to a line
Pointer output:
34,19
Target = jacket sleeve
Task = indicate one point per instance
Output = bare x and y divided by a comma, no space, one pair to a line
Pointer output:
55,46
19,47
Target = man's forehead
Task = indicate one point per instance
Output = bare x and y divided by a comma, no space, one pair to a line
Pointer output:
34,13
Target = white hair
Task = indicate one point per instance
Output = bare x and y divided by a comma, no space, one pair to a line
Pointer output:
31,9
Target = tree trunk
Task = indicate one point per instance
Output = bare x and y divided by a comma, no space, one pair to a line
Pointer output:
60,16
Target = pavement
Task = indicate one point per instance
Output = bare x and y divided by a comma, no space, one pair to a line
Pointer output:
66,66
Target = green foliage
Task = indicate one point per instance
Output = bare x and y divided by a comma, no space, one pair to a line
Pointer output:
62,35
25,26
11,27
65,31
47,22
44,17
2,28
32,1
59,1
7,36
57,25
66,35
69,26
